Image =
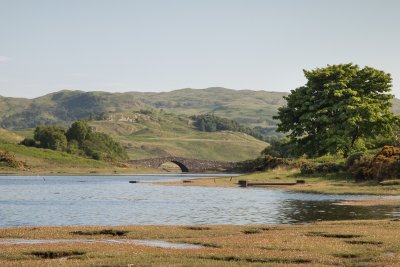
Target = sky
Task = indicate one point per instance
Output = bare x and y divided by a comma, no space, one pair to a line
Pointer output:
150,45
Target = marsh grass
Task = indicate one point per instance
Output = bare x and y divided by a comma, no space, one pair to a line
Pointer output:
111,232
337,243
258,260
363,242
197,228
56,254
252,231
346,255
330,235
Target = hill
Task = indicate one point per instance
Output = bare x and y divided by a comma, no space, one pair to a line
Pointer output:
248,107
160,134
65,106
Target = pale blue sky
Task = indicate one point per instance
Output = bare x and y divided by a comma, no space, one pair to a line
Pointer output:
46,46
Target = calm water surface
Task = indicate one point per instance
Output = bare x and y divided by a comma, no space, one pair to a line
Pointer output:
112,200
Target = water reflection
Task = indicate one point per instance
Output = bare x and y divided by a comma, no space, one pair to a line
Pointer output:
293,211
107,200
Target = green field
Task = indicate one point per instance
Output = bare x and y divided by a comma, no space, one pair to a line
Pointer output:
164,134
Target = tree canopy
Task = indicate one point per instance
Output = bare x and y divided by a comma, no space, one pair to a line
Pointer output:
338,109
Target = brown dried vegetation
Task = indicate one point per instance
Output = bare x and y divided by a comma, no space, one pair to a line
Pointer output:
10,160
385,165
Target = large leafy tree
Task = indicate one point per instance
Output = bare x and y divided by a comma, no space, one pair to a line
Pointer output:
338,108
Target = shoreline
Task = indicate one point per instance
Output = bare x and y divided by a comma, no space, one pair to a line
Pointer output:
339,184
370,200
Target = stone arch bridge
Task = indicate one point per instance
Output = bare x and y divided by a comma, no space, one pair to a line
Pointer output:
186,165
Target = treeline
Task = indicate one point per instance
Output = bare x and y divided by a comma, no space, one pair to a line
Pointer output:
79,139
212,123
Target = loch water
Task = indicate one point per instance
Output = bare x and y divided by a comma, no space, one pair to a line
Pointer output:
112,200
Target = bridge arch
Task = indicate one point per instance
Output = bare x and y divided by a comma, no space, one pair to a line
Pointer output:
180,165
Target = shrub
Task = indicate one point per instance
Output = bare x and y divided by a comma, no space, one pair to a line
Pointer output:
385,165
308,167
262,163
353,158
28,142
279,148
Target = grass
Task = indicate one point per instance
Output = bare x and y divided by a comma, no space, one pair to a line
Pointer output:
367,243
10,137
166,134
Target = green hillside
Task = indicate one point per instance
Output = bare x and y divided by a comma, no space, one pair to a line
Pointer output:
48,161
165,134
65,106
248,107
244,106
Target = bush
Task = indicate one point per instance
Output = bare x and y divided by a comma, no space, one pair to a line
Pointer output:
359,166
28,142
308,167
279,148
354,158
384,165
97,155
329,167
262,163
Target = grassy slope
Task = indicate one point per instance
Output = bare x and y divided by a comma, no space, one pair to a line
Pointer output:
9,137
48,161
168,134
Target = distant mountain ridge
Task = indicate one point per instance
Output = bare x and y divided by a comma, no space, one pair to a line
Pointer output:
248,107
